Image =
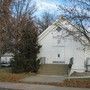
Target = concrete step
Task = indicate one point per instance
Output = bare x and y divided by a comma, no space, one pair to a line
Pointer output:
53,69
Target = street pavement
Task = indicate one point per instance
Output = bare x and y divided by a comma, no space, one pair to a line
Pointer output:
23,86
25,83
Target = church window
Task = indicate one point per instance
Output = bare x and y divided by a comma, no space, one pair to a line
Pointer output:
58,29
58,55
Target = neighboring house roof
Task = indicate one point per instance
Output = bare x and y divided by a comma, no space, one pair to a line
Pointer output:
72,29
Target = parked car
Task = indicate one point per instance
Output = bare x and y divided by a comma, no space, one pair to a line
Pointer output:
5,59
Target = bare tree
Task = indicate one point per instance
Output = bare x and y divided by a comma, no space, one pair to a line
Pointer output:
22,12
78,13
14,16
4,25
45,20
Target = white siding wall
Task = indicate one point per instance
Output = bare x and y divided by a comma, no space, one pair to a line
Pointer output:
67,48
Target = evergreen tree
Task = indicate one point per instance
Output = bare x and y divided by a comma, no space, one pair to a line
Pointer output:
25,56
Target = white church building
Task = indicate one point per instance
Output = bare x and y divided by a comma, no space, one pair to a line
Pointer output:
62,41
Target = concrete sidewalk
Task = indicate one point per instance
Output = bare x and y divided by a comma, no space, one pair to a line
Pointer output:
44,79
22,86
71,77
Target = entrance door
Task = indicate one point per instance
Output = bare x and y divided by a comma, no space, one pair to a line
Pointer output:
60,55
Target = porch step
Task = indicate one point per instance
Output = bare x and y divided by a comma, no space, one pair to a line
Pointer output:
53,69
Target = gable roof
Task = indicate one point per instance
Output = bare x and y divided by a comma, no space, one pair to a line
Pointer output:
72,29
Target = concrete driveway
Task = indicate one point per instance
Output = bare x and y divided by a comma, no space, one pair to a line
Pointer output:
22,86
